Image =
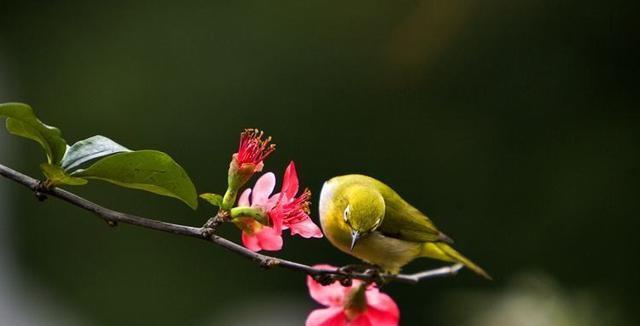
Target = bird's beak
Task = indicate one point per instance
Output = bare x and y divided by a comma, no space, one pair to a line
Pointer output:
355,235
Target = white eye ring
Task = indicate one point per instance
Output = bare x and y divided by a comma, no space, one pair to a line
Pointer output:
347,212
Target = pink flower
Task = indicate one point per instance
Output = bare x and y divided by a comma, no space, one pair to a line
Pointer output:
285,210
252,150
355,305
256,236
291,212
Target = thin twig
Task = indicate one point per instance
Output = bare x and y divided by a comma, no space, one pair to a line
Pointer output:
206,233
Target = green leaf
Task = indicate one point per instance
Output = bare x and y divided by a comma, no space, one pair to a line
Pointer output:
90,149
148,170
21,121
213,199
57,176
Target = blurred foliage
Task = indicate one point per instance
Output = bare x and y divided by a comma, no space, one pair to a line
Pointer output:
531,300
513,124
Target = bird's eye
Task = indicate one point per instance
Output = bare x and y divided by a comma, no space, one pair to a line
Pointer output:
347,213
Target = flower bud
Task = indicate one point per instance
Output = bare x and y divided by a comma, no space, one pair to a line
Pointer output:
252,151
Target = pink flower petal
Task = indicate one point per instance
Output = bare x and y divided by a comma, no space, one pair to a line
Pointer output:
306,229
331,295
381,318
276,222
263,188
362,320
243,201
382,310
269,239
273,200
333,316
251,241
290,181
259,167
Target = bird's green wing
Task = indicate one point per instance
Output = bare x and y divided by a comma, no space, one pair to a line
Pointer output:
405,222
401,220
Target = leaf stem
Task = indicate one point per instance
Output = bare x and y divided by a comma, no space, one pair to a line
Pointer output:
229,198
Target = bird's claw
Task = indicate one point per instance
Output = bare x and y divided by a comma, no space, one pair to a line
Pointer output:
355,268
376,274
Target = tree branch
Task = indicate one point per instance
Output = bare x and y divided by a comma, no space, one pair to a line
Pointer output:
206,233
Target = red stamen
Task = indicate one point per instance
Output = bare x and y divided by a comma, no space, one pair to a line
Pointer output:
296,210
253,149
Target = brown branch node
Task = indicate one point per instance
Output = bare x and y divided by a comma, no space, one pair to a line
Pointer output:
269,262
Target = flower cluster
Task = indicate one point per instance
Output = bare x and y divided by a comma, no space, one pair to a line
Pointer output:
285,209
261,214
359,304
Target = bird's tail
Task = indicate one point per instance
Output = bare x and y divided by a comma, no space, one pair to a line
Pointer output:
442,251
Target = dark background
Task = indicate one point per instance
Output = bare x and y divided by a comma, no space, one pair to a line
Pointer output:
513,124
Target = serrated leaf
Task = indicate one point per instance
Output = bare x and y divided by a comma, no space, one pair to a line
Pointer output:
90,149
213,199
148,170
57,176
21,121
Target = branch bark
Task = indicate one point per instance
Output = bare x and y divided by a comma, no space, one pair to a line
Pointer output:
206,233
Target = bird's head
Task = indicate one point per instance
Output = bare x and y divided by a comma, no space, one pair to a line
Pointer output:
363,211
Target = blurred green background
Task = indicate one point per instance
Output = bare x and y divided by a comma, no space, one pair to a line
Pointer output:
513,124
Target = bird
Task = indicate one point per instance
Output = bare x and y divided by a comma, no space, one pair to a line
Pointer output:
367,219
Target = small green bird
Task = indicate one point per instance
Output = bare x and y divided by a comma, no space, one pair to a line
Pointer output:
367,219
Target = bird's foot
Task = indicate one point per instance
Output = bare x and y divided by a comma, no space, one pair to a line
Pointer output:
355,268
377,275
